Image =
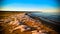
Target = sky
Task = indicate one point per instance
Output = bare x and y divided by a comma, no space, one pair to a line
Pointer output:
29,5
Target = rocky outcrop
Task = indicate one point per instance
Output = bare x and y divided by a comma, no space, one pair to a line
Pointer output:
23,23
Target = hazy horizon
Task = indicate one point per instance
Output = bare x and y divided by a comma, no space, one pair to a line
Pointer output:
30,5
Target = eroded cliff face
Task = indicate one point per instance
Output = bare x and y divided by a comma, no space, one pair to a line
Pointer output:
20,23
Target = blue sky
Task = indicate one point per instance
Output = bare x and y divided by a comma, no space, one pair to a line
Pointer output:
29,4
